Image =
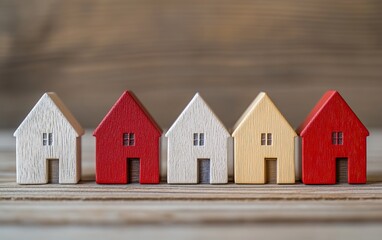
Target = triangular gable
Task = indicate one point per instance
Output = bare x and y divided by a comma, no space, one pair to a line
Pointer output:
261,98
66,114
131,96
197,99
327,99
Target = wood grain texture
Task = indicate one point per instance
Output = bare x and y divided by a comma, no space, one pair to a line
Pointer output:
252,145
48,132
92,211
320,148
127,131
185,148
227,50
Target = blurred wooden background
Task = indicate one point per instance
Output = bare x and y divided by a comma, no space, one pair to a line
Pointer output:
90,51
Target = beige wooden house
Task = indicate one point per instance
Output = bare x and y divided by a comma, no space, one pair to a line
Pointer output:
264,145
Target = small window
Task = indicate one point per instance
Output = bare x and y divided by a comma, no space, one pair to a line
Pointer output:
128,139
47,139
263,139
337,138
199,139
196,139
44,139
266,139
340,138
269,139
50,139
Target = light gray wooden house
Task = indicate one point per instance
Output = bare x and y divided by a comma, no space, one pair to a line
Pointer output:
197,146
48,144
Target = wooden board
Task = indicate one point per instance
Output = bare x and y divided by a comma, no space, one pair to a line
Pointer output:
228,50
95,211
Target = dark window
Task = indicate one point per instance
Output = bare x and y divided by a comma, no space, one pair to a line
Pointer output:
47,139
337,138
263,139
199,139
266,139
128,139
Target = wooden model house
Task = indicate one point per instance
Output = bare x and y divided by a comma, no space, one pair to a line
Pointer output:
127,144
333,143
48,144
263,145
197,146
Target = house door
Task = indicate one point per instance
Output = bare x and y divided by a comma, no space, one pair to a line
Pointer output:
203,171
133,170
341,170
53,171
271,170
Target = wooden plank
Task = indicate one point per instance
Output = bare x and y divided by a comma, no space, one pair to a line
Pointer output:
90,191
120,213
227,50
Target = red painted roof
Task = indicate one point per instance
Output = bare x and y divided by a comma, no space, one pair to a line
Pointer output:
130,95
327,99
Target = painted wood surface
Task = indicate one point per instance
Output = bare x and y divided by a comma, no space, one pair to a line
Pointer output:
128,131
94,211
197,134
261,133
321,149
48,132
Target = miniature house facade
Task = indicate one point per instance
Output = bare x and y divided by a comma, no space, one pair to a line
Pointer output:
48,144
197,146
333,143
128,144
264,145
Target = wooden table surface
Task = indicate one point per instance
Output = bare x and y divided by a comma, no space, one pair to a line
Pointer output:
91,211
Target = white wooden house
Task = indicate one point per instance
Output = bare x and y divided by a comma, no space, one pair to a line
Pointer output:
264,145
197,146
48,144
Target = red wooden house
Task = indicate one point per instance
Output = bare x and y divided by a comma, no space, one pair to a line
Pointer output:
333,143
127,144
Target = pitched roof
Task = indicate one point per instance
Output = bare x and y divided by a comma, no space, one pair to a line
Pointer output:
198,101
328,98
261,98
53,98
129,95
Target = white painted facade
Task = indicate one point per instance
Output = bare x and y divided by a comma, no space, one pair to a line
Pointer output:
183,156
33,148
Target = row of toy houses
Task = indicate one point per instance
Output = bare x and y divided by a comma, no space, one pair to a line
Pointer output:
333,145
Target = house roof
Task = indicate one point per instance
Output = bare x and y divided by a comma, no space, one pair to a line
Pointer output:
261,98
330,97
198,103
53,98
129,95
